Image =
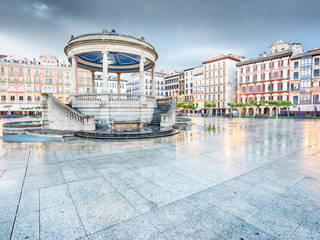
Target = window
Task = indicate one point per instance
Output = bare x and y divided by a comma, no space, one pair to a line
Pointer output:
20,98
296,64
3,98
12,98
295,99
305,98
243,89
259,88
29,98
251,88
316,99
255,77
271,65
270,87
317,61
281,63
296,75
316,73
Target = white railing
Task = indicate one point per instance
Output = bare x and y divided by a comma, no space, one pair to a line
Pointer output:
68,111
107,98
115,36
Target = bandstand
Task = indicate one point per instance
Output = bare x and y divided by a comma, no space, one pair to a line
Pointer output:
117,54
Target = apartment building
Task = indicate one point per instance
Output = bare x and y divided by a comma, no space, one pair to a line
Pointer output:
219,81
133,85
267,77
112,85
174,86
23,80
305,80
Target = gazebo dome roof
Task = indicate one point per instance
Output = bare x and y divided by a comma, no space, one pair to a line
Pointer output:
124,51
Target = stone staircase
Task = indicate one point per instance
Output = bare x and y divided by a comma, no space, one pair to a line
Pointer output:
163,107
63,117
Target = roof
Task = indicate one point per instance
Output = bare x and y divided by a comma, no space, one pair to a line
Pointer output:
308,53
175,75
279,42
269,56
188,69
222,58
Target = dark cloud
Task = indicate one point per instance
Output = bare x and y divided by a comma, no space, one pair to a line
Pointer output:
183,32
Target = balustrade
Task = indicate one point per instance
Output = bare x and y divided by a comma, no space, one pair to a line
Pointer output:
122,97
67,110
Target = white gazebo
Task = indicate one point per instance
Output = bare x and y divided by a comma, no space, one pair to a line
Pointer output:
112,53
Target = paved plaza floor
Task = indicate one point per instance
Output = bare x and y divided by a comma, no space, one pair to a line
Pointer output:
223,179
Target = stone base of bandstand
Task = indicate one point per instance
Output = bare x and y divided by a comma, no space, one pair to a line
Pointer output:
117,109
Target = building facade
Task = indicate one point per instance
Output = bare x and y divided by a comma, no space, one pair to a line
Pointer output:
268,76
133,85
23,81
188,84
174,86
305,81
219,81
112,84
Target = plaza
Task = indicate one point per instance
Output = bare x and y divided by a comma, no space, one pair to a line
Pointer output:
221,179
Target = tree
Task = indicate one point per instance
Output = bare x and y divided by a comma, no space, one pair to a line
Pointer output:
192,106
180,105
210,104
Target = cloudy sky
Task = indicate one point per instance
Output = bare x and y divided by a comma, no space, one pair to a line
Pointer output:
184,32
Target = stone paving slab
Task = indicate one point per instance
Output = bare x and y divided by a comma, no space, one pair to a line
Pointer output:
247,179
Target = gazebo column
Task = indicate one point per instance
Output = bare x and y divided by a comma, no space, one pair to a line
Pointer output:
92,82
118,82
74,72
153,86
105,66
142,80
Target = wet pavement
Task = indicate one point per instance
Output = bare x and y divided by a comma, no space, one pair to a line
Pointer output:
223,179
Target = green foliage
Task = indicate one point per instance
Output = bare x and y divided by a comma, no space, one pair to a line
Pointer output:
29,108
180,105
191,105
238,104
210,104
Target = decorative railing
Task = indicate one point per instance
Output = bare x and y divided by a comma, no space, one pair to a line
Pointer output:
110,36
104,98
68,111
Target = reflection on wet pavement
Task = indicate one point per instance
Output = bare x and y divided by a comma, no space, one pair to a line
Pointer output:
222,179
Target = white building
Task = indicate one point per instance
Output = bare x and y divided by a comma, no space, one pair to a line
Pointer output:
192,76
219,81
133,85
112,85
